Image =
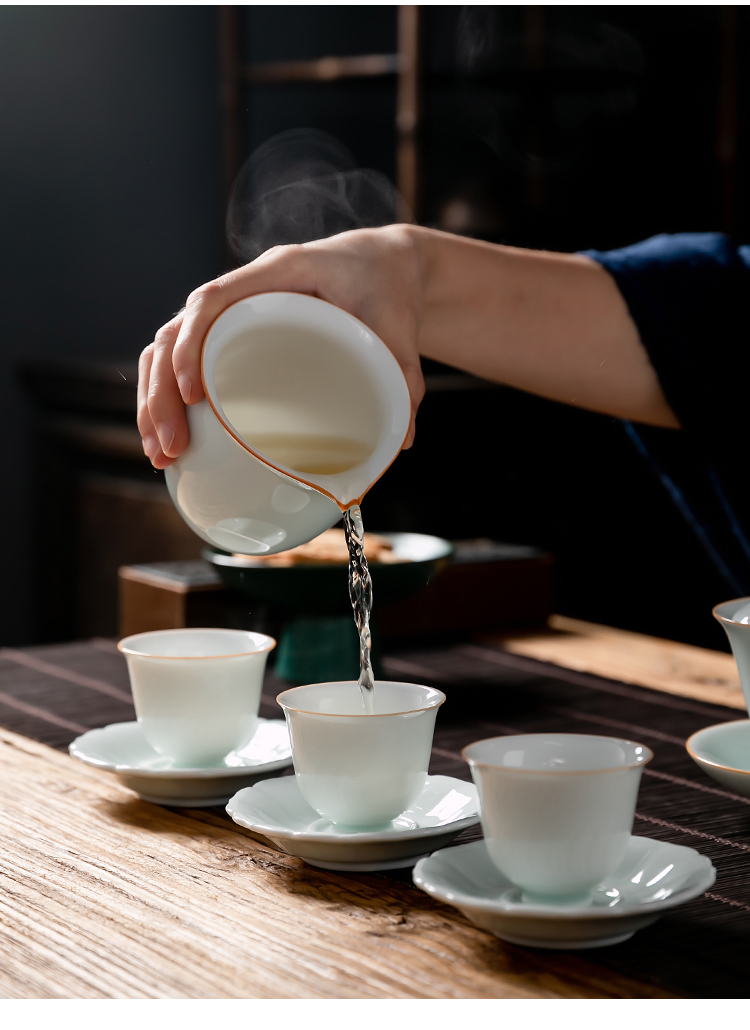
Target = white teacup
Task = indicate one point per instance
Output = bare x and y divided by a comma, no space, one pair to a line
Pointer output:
557,808
356,769
197,691
734,616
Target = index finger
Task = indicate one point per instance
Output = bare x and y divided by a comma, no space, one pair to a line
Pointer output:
279,269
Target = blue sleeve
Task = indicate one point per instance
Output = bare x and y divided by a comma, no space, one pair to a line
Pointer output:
688,295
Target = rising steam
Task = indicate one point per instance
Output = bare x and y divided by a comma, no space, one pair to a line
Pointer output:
302,185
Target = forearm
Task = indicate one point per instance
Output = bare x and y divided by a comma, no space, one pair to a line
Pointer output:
552,324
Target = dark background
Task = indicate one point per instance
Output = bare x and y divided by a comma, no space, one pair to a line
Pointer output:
109,215
560,127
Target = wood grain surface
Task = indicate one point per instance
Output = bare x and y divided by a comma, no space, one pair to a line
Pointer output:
106,896
618,654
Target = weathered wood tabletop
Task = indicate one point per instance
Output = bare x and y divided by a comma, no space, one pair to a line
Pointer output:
106,896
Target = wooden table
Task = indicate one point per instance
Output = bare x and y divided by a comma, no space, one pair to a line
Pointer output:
105,896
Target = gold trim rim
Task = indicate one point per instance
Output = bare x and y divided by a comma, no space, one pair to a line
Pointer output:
708,761
364,715
723,618
557,772
194,657
282,470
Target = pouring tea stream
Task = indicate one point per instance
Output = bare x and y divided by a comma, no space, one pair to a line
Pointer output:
305,408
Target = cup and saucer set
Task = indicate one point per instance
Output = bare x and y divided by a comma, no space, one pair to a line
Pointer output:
198,738
723,751
558,866
361,799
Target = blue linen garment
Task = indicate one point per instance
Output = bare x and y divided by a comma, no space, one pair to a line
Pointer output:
689,296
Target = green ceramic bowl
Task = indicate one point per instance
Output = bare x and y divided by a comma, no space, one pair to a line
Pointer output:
309,589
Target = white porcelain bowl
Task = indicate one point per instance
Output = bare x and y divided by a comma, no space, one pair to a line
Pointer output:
283,365
197,691
734,617
557,808
354,768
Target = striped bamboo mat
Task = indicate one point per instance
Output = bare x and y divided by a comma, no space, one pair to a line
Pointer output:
53,693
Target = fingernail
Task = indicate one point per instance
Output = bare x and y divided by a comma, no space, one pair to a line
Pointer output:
183,381
150,447
411,434
166,436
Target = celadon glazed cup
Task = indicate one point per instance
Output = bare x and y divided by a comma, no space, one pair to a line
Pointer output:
304,410
557,808
357,769
197,691
734,616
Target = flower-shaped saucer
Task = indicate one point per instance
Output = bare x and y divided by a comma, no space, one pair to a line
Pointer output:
723,751
276,810
122,749
652,878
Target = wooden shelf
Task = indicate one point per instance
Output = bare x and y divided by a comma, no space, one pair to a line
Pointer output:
324,69
235,77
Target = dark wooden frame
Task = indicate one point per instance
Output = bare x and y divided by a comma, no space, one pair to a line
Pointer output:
234,76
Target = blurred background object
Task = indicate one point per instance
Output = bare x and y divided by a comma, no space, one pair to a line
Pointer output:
560,127
482,588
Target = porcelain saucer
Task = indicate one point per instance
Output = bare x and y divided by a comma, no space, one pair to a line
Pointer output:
723,751
652,878
277,810
122,749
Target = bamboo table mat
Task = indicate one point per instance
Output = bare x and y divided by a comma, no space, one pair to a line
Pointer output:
55,692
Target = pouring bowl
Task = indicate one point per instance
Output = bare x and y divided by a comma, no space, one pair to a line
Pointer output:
305,408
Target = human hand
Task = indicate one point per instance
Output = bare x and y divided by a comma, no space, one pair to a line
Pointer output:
374,274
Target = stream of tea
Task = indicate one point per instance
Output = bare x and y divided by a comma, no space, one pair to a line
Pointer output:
360,594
